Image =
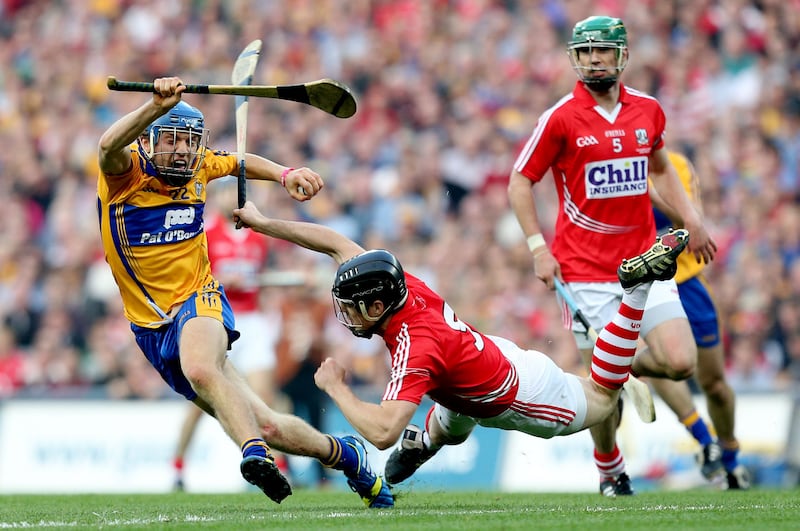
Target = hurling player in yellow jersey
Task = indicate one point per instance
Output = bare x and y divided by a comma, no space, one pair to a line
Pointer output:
717,456
154,169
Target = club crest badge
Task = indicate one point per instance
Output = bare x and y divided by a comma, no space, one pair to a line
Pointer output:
641,137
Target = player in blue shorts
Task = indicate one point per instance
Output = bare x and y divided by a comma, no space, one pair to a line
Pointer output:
151,192
701,311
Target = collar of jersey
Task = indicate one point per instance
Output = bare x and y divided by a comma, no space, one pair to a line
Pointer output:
582,94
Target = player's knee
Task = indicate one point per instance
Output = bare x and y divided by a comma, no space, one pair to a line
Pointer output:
269,431
716,390
680,370
199,376
680,360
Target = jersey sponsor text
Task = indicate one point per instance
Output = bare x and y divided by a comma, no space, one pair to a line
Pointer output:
616,178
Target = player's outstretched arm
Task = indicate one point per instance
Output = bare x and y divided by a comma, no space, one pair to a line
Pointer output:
113,153
381,424
300,183
318,238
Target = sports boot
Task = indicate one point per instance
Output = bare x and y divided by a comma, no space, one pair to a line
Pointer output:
657,263
264,474
405,460
710,461
364,482
738,478
618,486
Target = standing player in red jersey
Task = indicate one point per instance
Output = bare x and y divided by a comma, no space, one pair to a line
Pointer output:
473,379
600,142
238,258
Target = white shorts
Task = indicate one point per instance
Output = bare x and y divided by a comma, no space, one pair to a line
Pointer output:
599,302
544,391
255,349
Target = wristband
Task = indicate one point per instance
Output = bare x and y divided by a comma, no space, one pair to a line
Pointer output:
535,241
283,176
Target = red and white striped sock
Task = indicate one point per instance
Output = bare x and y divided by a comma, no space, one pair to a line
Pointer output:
609,465
616,344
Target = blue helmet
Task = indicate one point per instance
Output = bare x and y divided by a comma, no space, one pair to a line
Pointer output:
371,276
183,138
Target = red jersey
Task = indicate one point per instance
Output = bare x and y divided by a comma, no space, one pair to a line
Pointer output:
435,353
236,252
600,166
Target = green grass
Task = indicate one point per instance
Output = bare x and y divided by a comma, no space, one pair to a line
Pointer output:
415,510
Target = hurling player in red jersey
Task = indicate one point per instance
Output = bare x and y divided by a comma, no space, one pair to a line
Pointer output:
471,377
601,141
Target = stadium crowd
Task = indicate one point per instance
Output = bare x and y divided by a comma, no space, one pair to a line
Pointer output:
447,92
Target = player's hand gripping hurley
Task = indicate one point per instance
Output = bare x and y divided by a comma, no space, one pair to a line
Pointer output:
242,76
637,390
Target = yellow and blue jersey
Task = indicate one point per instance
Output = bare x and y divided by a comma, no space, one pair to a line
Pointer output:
687,263
153,235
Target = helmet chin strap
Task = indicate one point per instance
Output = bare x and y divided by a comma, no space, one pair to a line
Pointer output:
601,85
368,332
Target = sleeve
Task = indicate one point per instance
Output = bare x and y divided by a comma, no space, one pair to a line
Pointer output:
112,187
410,380
660,123
542,148
219,164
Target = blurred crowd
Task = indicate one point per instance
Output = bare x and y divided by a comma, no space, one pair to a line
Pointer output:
448,91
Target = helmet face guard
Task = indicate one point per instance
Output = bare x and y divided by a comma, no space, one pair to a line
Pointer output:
178,142
598,33
371,276
346,310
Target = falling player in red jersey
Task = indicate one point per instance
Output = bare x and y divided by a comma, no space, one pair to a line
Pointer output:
471,377
601,142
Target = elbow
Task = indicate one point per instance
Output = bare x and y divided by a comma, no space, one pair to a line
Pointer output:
387,437
384,443
103,146
105,149
517,184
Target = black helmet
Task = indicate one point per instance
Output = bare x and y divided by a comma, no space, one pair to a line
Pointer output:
370,276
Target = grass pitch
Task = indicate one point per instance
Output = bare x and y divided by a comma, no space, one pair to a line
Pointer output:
415,510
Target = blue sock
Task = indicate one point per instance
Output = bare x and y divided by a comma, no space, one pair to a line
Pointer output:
697,427
255,447
342,457
730,457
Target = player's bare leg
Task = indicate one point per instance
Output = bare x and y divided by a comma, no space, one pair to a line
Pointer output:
678,397
721,404
188,428
262,382
203,349
292,435
671,352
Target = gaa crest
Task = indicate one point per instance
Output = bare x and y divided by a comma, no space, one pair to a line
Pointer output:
641,137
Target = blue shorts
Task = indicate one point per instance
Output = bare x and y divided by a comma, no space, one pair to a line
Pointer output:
160,345
701,311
